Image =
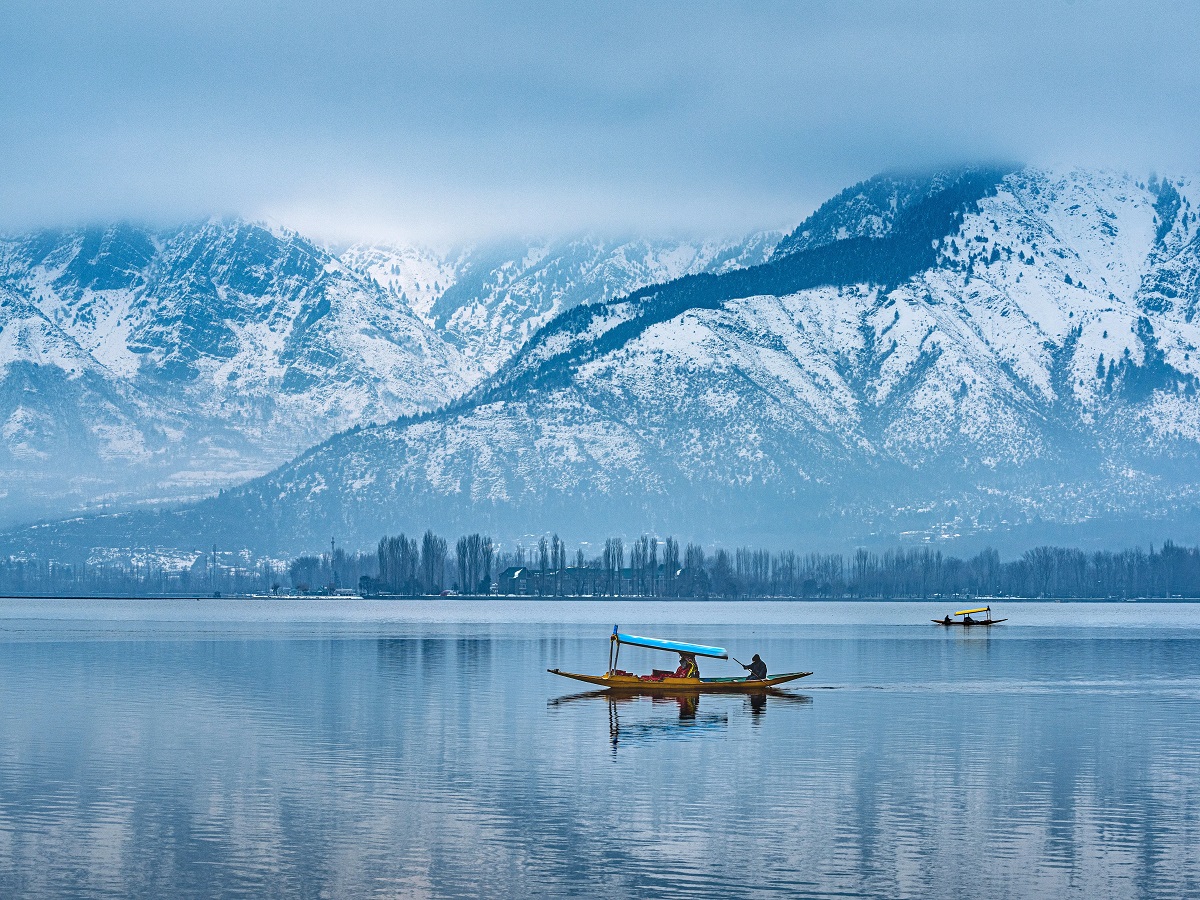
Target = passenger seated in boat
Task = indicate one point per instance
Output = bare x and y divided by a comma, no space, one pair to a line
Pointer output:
757,669
967,620
687,667
947,620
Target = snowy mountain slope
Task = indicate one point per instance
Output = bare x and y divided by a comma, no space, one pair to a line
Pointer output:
1007,348
584,332
234,346
62,416
866,210
416,276
978,371
46,381
488,300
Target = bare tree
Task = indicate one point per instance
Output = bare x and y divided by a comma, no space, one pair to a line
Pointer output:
638,551
653,566
433,562
670,565
543,563
558,561
487,552
693,570
613,563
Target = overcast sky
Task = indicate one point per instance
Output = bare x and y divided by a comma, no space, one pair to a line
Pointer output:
442,122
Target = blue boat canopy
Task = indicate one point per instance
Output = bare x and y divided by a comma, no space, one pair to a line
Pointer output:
676,646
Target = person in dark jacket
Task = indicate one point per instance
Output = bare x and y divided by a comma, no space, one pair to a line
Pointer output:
757,669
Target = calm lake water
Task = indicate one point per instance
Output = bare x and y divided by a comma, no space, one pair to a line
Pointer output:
362,749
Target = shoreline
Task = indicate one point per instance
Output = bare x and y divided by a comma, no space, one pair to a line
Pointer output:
584,598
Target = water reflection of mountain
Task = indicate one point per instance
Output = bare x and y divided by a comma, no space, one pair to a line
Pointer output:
645,718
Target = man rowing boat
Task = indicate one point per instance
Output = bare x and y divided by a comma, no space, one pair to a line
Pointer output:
757,668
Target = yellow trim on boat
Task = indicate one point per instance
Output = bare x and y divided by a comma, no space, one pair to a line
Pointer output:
967,612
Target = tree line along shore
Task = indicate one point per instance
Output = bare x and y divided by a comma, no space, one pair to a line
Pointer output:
646,567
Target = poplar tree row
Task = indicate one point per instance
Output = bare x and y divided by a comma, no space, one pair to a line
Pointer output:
646,567
653,567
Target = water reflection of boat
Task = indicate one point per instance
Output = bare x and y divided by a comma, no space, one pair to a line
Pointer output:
657,697
966,619
662,682
689,722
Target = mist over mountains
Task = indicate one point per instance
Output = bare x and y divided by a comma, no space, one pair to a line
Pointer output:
970,354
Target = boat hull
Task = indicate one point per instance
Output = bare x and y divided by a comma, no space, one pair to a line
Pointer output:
671,685
968,624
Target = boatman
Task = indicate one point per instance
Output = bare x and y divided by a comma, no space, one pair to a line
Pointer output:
757,668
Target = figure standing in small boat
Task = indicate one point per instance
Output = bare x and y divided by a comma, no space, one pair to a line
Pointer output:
687,667
757,668
968,617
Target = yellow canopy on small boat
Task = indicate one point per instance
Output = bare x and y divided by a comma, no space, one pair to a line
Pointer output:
967,612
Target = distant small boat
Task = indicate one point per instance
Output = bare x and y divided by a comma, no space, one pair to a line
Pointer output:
661,682
966,619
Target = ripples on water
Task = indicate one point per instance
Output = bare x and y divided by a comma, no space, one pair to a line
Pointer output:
272,749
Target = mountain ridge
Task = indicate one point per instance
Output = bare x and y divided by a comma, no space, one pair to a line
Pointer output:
218,349
488,300
1016,353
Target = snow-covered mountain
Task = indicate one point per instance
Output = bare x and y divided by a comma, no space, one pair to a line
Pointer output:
489,300
154,364
144,363
982,352
417,276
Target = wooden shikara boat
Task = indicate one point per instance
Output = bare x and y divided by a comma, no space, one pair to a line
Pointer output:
671,685
966,620
662,683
